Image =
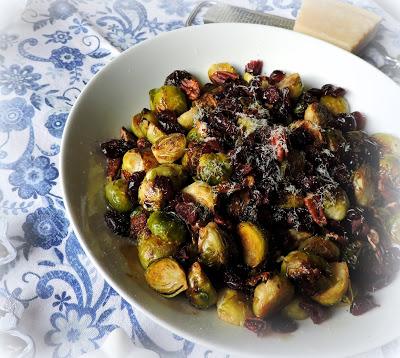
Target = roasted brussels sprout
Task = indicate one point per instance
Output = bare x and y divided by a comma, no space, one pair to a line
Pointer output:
389,177
364,185
214,168
309,127
248,77
271,296
212,245
317,114
299,235
166,277
336,105
201,292
152,247
169,148
232,307
339,283
389,143
201,193
136,160
247,124
117,196
298,264
187,119
335,204
322,247
293,83
294,311
167,98
144,125
254,243
198,133
334,139
159,185
167,227
218,73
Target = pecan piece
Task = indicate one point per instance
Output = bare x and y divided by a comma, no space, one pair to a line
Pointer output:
314,205
126,135
191,87
113,166
220,77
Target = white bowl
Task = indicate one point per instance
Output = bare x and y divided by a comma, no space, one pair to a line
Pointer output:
121,89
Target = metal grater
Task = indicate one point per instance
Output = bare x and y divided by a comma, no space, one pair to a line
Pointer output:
219,12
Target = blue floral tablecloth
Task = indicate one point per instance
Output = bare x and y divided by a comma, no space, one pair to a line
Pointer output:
52,299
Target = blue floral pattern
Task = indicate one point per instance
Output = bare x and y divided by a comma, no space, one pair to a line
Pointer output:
44,65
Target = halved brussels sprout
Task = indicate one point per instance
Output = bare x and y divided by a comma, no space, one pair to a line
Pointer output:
299,235
248,77
389,143
152,247
336,105
294,311
135,160
271,296
186,119
220,67
254,243
334,139
214,168
297,263
339,283
389,177
292,201
201,193
201,293
293,83
167,227
198,133
317,114
166,277
167,98
169,148
117,196
174,172
232,307
335,204
312,128
364,185
154,133
140,122
212,245
320,246
247,124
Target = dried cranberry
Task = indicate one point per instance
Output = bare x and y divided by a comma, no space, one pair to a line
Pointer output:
175,78
116,148
362,304
360,120
346,122
331,90
272,95
276,76
117,222
254,67
258,326
135,179
168,123
317,313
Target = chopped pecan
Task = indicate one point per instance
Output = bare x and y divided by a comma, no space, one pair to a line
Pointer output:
261,277
113,166
220,77
314,205
191,87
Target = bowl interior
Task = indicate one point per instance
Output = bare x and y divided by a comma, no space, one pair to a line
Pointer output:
121,90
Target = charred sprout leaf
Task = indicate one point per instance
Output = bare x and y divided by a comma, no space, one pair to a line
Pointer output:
152,248
336,105
201,292
232,307
169,98
212,245
339,283
271,296
117,195
254,243
364,186
167,227
166,277
170,148
335,203
317,114
389,144
322,247
201,193
214,168
293,83
294,311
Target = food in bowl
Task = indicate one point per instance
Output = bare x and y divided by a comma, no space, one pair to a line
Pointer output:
257,196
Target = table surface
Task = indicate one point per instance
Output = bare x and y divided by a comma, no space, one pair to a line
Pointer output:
52,297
